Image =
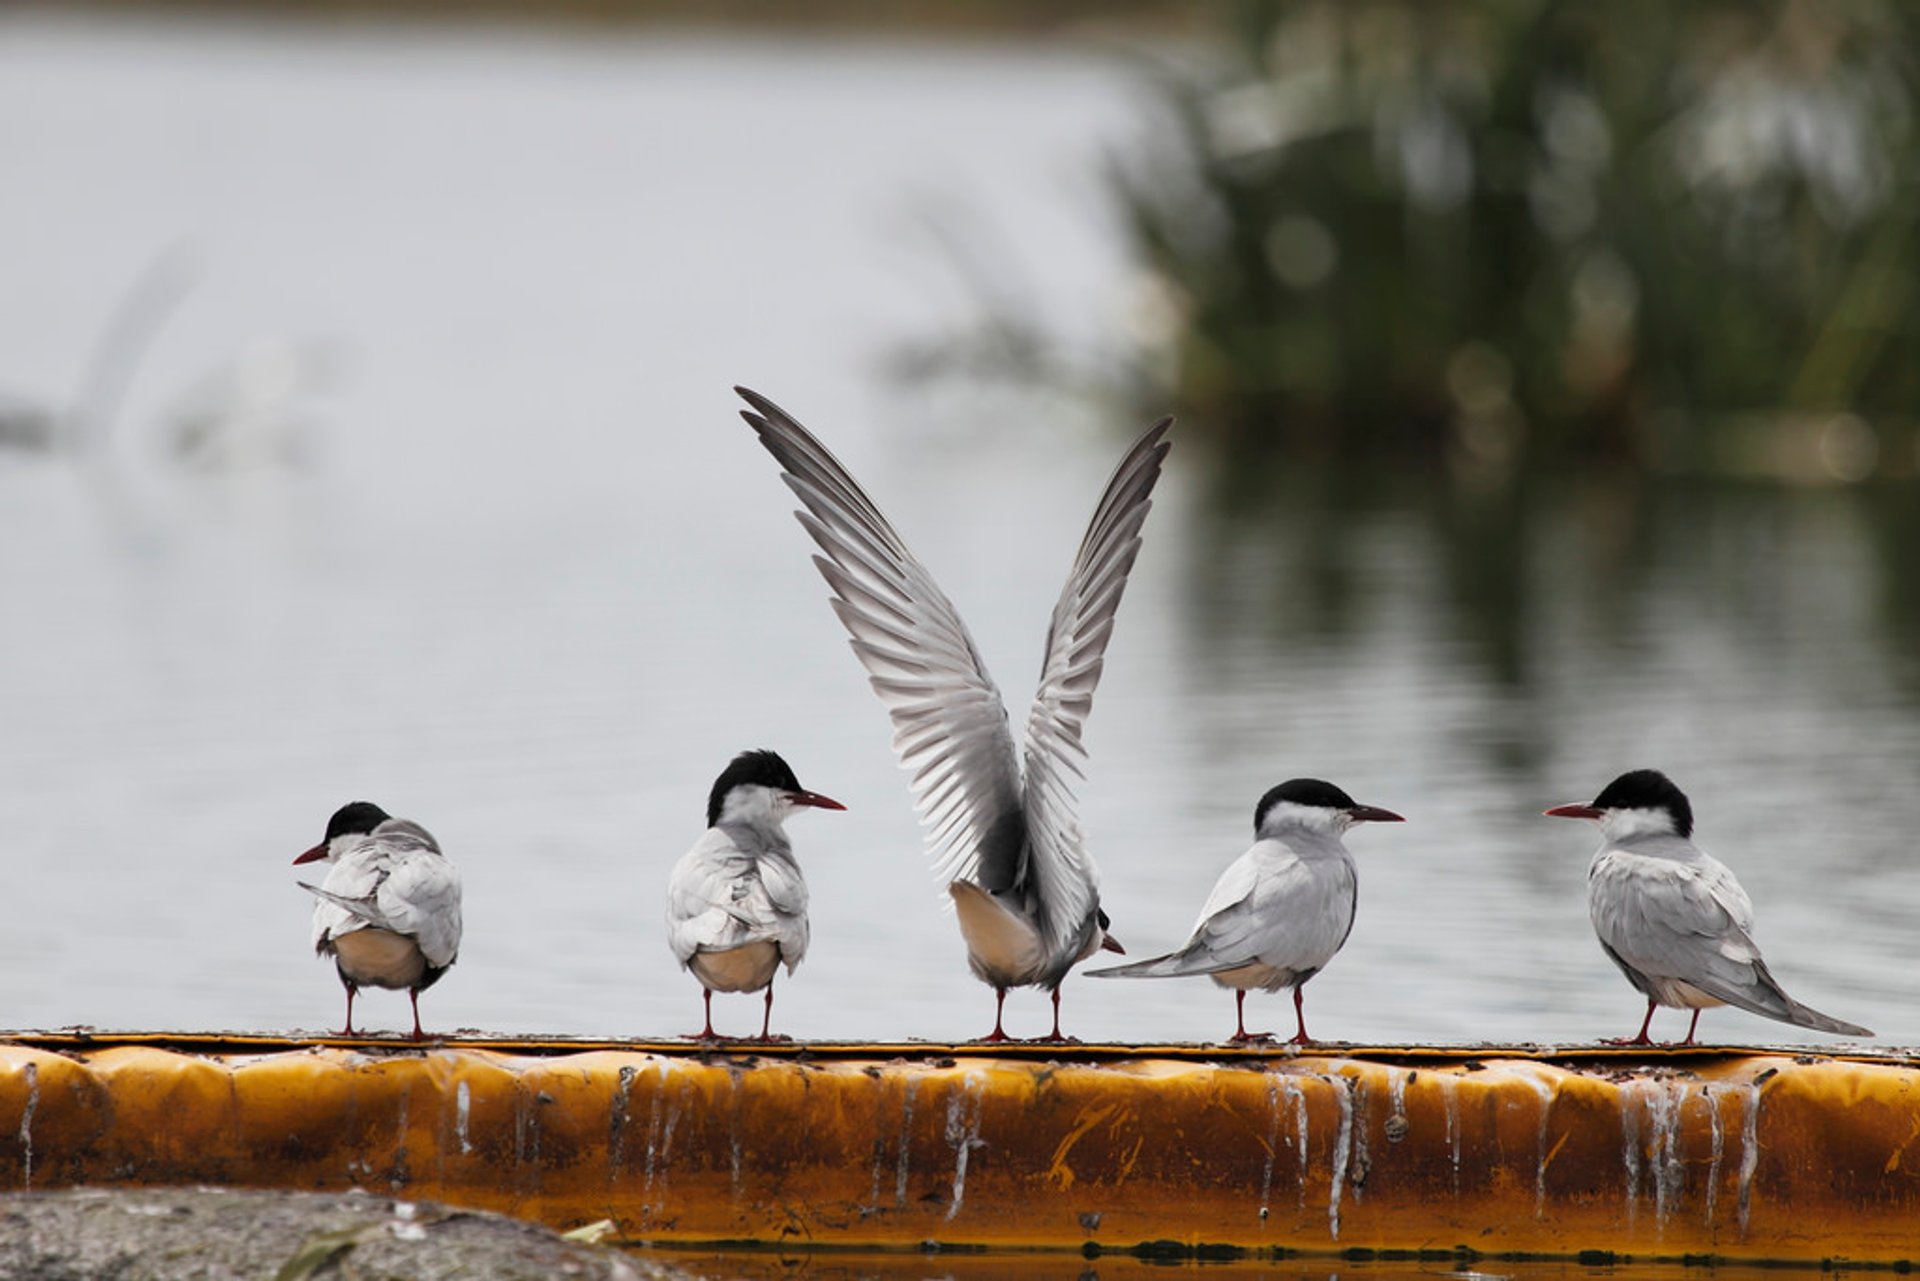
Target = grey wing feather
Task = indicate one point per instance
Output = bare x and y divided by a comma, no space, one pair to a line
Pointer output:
1691,922
950,724
396,880
1082,624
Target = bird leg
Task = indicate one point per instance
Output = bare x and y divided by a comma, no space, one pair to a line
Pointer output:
766,1020
706,1033
1055,1034
413,994
1645,1023
1240,1035
351,989
1690,1028
999,1005
1300,1018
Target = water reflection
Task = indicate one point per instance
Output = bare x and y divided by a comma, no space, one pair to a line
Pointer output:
772,1265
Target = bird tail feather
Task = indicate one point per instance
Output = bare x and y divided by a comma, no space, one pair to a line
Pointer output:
1769,1000
1172,965
359,907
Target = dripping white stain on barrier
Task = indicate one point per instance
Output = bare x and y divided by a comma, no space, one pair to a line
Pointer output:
653,1127
462,1115
1749,1148
1450,1094
674,1111
1299,1097
26,1124
906,1137
1719,1139
617,1116
1630,1148
734,1155
1343,1141
1272,1145
1544,1090
964,1109
1359,1152
1669,1173
1655,1149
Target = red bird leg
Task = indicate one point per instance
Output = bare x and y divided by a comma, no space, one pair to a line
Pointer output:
1240,1034
1690,1027
348,1030
705,1033
1641,1039
413,994
999,1005
766,1017
1300,1018
1055,1035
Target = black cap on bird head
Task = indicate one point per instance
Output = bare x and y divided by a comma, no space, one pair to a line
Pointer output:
356,819
1648,789
761,768
1301,791
1318,794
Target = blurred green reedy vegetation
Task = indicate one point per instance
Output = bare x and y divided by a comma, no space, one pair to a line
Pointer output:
1485,237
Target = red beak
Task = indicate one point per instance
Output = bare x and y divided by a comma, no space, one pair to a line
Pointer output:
313,855
1573,811
816,800
1108,943
1373,814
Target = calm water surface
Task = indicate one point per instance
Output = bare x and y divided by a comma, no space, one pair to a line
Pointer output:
536,582
757,1265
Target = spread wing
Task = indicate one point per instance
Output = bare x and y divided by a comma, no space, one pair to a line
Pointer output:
949,723
1082,624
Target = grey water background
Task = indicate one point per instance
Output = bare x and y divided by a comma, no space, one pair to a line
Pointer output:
534,582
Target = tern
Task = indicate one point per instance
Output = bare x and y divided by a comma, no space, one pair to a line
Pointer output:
1001,824
389,906
736,902
1281,910
1671,916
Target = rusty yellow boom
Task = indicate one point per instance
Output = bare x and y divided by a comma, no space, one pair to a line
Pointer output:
1733,1154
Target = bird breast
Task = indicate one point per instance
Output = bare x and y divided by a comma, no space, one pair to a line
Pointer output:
736,969
374,957
1003,947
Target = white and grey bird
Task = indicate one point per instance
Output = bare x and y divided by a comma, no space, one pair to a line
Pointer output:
736,902
1281,910
1671,916
389,906
1001,822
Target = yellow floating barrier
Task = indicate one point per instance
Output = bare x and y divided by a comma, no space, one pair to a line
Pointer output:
1736,1155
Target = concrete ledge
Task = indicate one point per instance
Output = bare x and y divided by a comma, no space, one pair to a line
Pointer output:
211,1234
1710,1152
